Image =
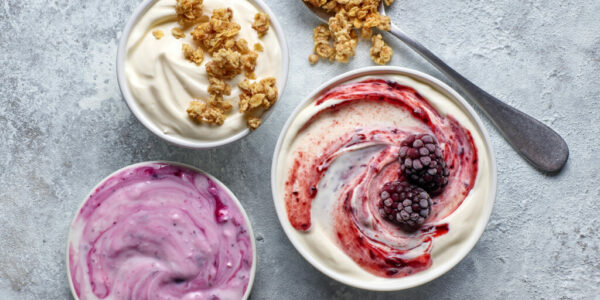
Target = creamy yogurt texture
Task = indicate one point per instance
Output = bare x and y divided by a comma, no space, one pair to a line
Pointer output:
339,151
162,82
159,231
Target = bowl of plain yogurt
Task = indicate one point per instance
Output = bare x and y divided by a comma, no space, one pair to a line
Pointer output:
340,152
158,82
160,230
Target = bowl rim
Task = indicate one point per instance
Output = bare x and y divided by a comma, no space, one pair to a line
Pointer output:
150,125
178,164
440,87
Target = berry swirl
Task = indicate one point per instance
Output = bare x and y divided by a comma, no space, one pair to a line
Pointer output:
345,146
160,231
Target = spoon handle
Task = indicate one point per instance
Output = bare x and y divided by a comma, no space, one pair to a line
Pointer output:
533,140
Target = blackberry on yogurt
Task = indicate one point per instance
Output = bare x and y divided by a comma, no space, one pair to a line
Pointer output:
404,204
422,162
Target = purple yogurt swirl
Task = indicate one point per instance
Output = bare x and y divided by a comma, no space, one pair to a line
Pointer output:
160,231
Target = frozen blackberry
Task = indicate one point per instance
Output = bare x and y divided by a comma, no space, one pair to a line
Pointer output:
404,204
422,162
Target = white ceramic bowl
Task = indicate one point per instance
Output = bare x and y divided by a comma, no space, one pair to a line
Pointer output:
219,183
149,124
418,278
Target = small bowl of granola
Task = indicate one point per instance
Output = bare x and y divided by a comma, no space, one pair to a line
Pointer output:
202,73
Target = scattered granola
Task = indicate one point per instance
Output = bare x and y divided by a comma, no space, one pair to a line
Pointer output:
195,56
381,53
261,23
177,33
188,11
231,56
350,16
361,13
313,59
158,34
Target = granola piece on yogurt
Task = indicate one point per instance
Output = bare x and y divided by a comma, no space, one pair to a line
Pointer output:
210,112
158,34
261,23
218,87
194,55
256,98
219,32
259,94
177,33
226,64
253,122
188,11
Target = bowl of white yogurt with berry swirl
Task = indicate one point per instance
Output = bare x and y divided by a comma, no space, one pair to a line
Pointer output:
384,178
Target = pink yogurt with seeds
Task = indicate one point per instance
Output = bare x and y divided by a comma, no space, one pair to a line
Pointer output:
161,231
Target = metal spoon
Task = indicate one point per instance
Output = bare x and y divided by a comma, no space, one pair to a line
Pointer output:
537,143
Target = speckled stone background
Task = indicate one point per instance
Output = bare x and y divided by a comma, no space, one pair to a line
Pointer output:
64,126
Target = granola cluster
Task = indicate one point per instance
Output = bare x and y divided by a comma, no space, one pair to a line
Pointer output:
257,97
219,32
344,38
188,11
211,112
194,55
230,57
352,18
381,53
261,23
323,48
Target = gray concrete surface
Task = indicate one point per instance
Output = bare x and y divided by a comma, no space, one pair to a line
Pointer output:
64,126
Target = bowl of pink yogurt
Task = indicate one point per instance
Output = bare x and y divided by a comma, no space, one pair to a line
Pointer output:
161,230
343,148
